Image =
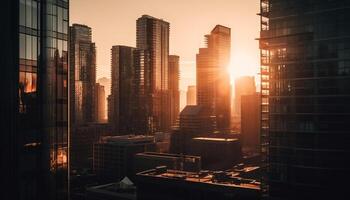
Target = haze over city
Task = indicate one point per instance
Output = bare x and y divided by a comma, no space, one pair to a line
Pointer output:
190,21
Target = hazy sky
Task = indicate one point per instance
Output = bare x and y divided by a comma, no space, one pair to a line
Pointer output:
113,22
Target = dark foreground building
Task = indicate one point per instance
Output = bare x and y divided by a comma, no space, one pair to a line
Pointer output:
161,183
305,73
34,108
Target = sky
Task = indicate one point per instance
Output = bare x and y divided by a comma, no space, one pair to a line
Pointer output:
113,22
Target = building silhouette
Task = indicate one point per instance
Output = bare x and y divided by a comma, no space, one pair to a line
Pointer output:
122,93
305,88
152,35
34,108
113,156
174,93
191,95
244,85
100,103
82,75
106,83
250,122
213,83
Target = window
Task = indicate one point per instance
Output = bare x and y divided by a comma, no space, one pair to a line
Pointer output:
22,46
22,12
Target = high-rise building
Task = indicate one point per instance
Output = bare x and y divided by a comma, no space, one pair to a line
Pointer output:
213,82
82,75
153,35
106,83
250,122
174,93
34,108
122,93
244,85
100,103
305,88
191,95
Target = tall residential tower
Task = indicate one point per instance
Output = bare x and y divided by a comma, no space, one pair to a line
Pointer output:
153,36
305,88
213,82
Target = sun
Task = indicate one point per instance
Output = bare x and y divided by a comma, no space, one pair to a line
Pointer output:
242,64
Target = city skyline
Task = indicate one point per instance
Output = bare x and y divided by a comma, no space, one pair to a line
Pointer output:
244,52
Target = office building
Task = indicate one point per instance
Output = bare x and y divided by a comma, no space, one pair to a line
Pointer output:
100,103
217,153
82,75
305,90
174,93
213,82
82,143
191,95
152,35
250,122
34,108
244,85
162,183
150,160
113,156
122,89
195,121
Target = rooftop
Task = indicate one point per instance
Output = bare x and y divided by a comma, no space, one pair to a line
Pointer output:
127,139
212,139
227,180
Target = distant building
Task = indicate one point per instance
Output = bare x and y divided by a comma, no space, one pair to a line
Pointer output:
123,190
191,95
194,121
151,160
213,82
152,35
106,83
250,122
113,155
217,153
81,147
244,85
82,75
174,93
162,183
100,101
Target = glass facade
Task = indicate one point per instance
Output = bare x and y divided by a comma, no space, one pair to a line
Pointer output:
82,75
153,35
43,99
305,74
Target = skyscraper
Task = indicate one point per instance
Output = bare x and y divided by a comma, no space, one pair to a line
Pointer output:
191,95
106,83
305,90
82,75
34,108
174,93
153,35
100,103
213,82
122,93
244,85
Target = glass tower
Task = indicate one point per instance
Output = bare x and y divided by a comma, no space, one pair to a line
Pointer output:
305,89
153,35
35,114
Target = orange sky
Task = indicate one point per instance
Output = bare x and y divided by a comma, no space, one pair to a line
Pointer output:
113,22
